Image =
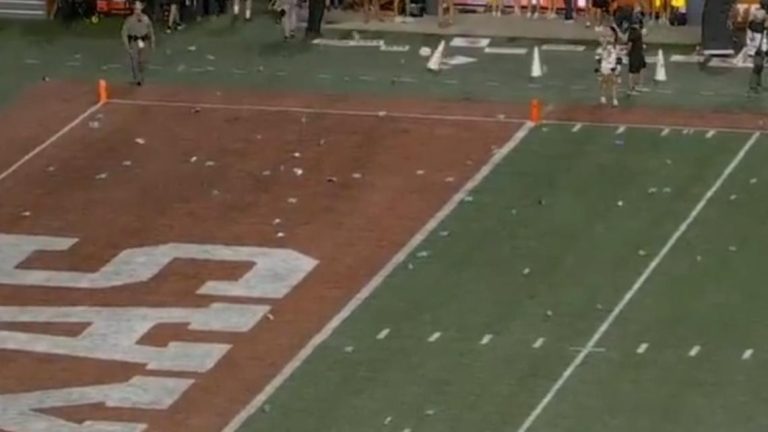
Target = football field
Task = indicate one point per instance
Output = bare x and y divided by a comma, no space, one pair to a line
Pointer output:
599,279
274,236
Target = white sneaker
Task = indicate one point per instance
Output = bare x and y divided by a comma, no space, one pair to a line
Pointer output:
603,101
615,102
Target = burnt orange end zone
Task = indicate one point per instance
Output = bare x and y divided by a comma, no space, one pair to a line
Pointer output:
218,176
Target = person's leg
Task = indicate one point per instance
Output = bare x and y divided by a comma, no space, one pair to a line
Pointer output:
603,89
173,10
142,63
569,6
632,84
293,11
248,9
137,58
598,18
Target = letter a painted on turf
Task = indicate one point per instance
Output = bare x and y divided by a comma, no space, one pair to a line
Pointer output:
274,274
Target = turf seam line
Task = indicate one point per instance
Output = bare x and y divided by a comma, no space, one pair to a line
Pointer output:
636,286
377,280
422,116
50,141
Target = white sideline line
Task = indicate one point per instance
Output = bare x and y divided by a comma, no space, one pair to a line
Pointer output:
636,286
396,260
49,141
362,113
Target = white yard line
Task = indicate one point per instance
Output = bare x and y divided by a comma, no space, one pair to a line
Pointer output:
694,351
636,286
49,141
435,336
424,116
374,283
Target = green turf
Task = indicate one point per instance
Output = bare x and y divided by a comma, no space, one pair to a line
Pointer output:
582,249
716,301
252,55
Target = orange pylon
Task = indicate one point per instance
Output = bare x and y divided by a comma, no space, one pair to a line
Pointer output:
535,111
103,94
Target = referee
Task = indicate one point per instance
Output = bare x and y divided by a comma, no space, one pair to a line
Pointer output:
137,36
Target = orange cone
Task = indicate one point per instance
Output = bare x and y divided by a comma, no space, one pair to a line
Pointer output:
103,94
535,111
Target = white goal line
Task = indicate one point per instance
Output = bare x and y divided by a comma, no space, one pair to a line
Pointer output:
420,116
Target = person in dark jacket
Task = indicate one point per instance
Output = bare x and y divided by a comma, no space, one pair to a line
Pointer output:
756,27
315,18
636,54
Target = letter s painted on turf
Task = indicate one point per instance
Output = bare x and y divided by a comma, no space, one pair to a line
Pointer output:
274,274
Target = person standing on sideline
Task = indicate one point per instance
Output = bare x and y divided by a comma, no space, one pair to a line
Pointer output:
138,35
756,27
608,67
288,10
598,11
442,5
315,18
248,8
372,4
636,54
174,16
